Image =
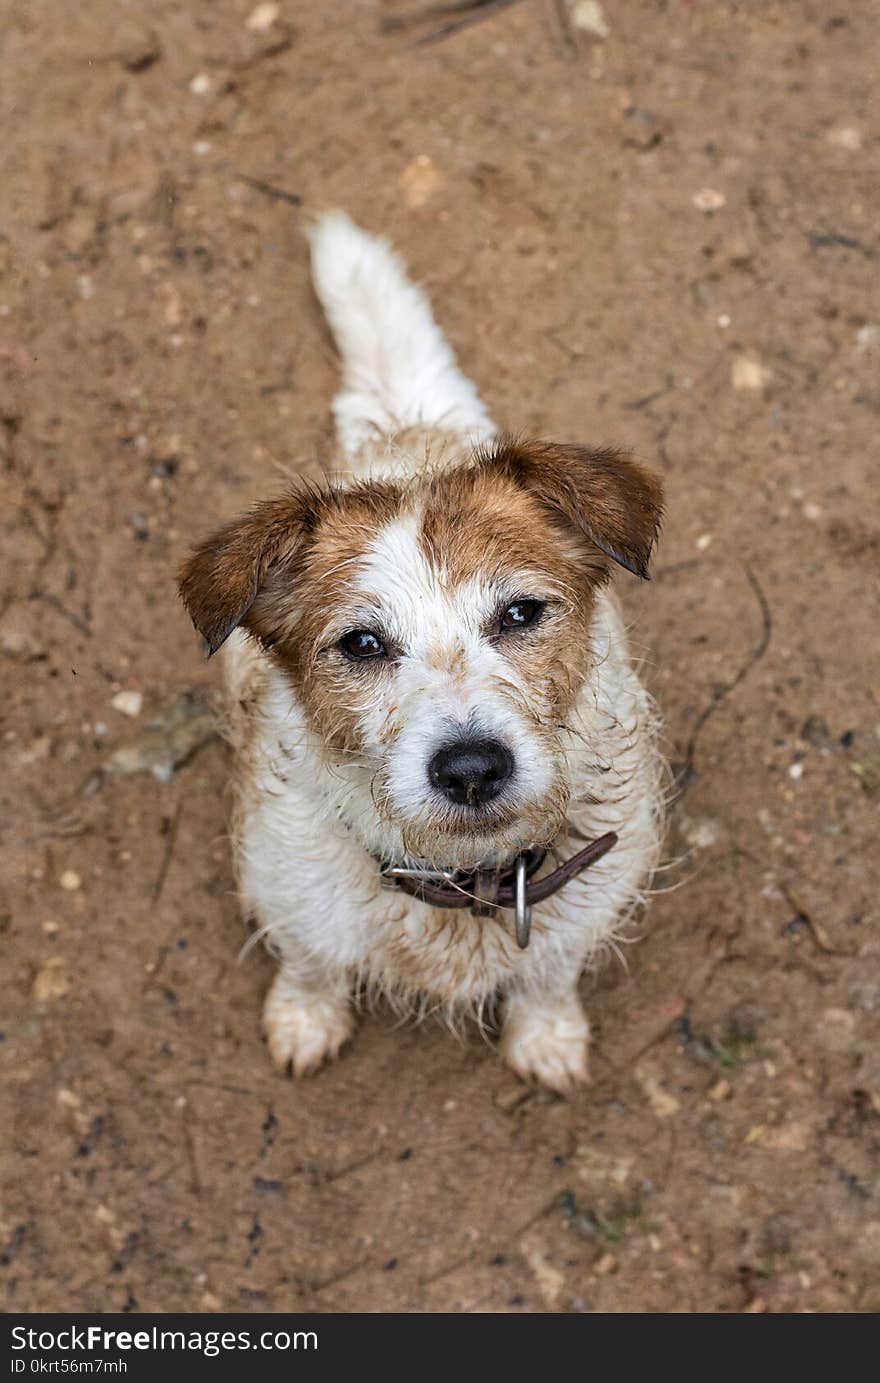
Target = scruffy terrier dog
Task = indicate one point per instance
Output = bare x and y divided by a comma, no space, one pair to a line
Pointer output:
431,698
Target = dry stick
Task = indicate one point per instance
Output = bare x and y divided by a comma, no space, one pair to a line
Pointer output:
339,1276
468,11
687,774
70,615
195,1179
816,930
505,1240
355,1166
487,9
170,841
410,19
274,50
269,189
636,405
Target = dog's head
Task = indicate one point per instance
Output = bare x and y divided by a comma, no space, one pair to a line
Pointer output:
437,632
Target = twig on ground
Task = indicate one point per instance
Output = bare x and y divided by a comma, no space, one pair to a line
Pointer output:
803,913
268,189
462,14
688,771
70,615
170,841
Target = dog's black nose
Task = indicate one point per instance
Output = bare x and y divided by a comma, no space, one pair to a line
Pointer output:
471,772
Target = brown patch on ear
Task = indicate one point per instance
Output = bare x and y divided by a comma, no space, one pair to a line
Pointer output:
612,500
220,581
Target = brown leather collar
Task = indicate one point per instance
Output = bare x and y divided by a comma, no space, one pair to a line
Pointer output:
483,890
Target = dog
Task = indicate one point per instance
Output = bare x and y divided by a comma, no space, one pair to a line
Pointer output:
431,699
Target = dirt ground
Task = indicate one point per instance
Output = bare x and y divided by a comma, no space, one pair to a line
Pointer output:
664,236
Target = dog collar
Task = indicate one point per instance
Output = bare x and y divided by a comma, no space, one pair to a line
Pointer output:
482,890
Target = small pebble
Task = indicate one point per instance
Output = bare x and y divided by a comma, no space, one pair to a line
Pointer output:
50,982
868,337
661,1101
703,542
796,771
419,181
588,16
263,17
130,703
200,84
709,200
846,137
748,373
70,881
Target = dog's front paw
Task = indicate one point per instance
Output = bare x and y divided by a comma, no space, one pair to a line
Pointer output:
304,1031
547,1043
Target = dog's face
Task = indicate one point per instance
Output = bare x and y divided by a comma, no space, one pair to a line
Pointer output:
437,633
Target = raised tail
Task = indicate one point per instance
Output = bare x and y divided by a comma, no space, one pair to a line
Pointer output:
398,370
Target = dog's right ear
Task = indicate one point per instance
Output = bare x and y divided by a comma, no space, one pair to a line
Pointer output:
221,580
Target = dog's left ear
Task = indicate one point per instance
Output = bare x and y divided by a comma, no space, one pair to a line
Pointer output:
612,500
221,580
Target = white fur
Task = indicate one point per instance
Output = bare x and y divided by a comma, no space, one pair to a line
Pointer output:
398,370
433,621
307,829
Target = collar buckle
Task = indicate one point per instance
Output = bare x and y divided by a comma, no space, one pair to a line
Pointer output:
522,909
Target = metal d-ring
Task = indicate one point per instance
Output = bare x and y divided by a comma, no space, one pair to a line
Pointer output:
523,911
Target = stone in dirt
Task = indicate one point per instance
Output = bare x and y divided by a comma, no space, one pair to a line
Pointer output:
167,742
589,17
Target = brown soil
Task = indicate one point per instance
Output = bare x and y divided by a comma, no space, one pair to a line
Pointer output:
663,238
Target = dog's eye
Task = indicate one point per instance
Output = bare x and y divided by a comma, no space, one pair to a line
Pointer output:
362,643
521,614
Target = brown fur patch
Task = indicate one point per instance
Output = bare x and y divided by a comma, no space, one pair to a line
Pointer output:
609,498
219,582
479,520
291,612
250,571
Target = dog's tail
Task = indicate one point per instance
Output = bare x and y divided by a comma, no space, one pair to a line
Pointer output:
398,370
